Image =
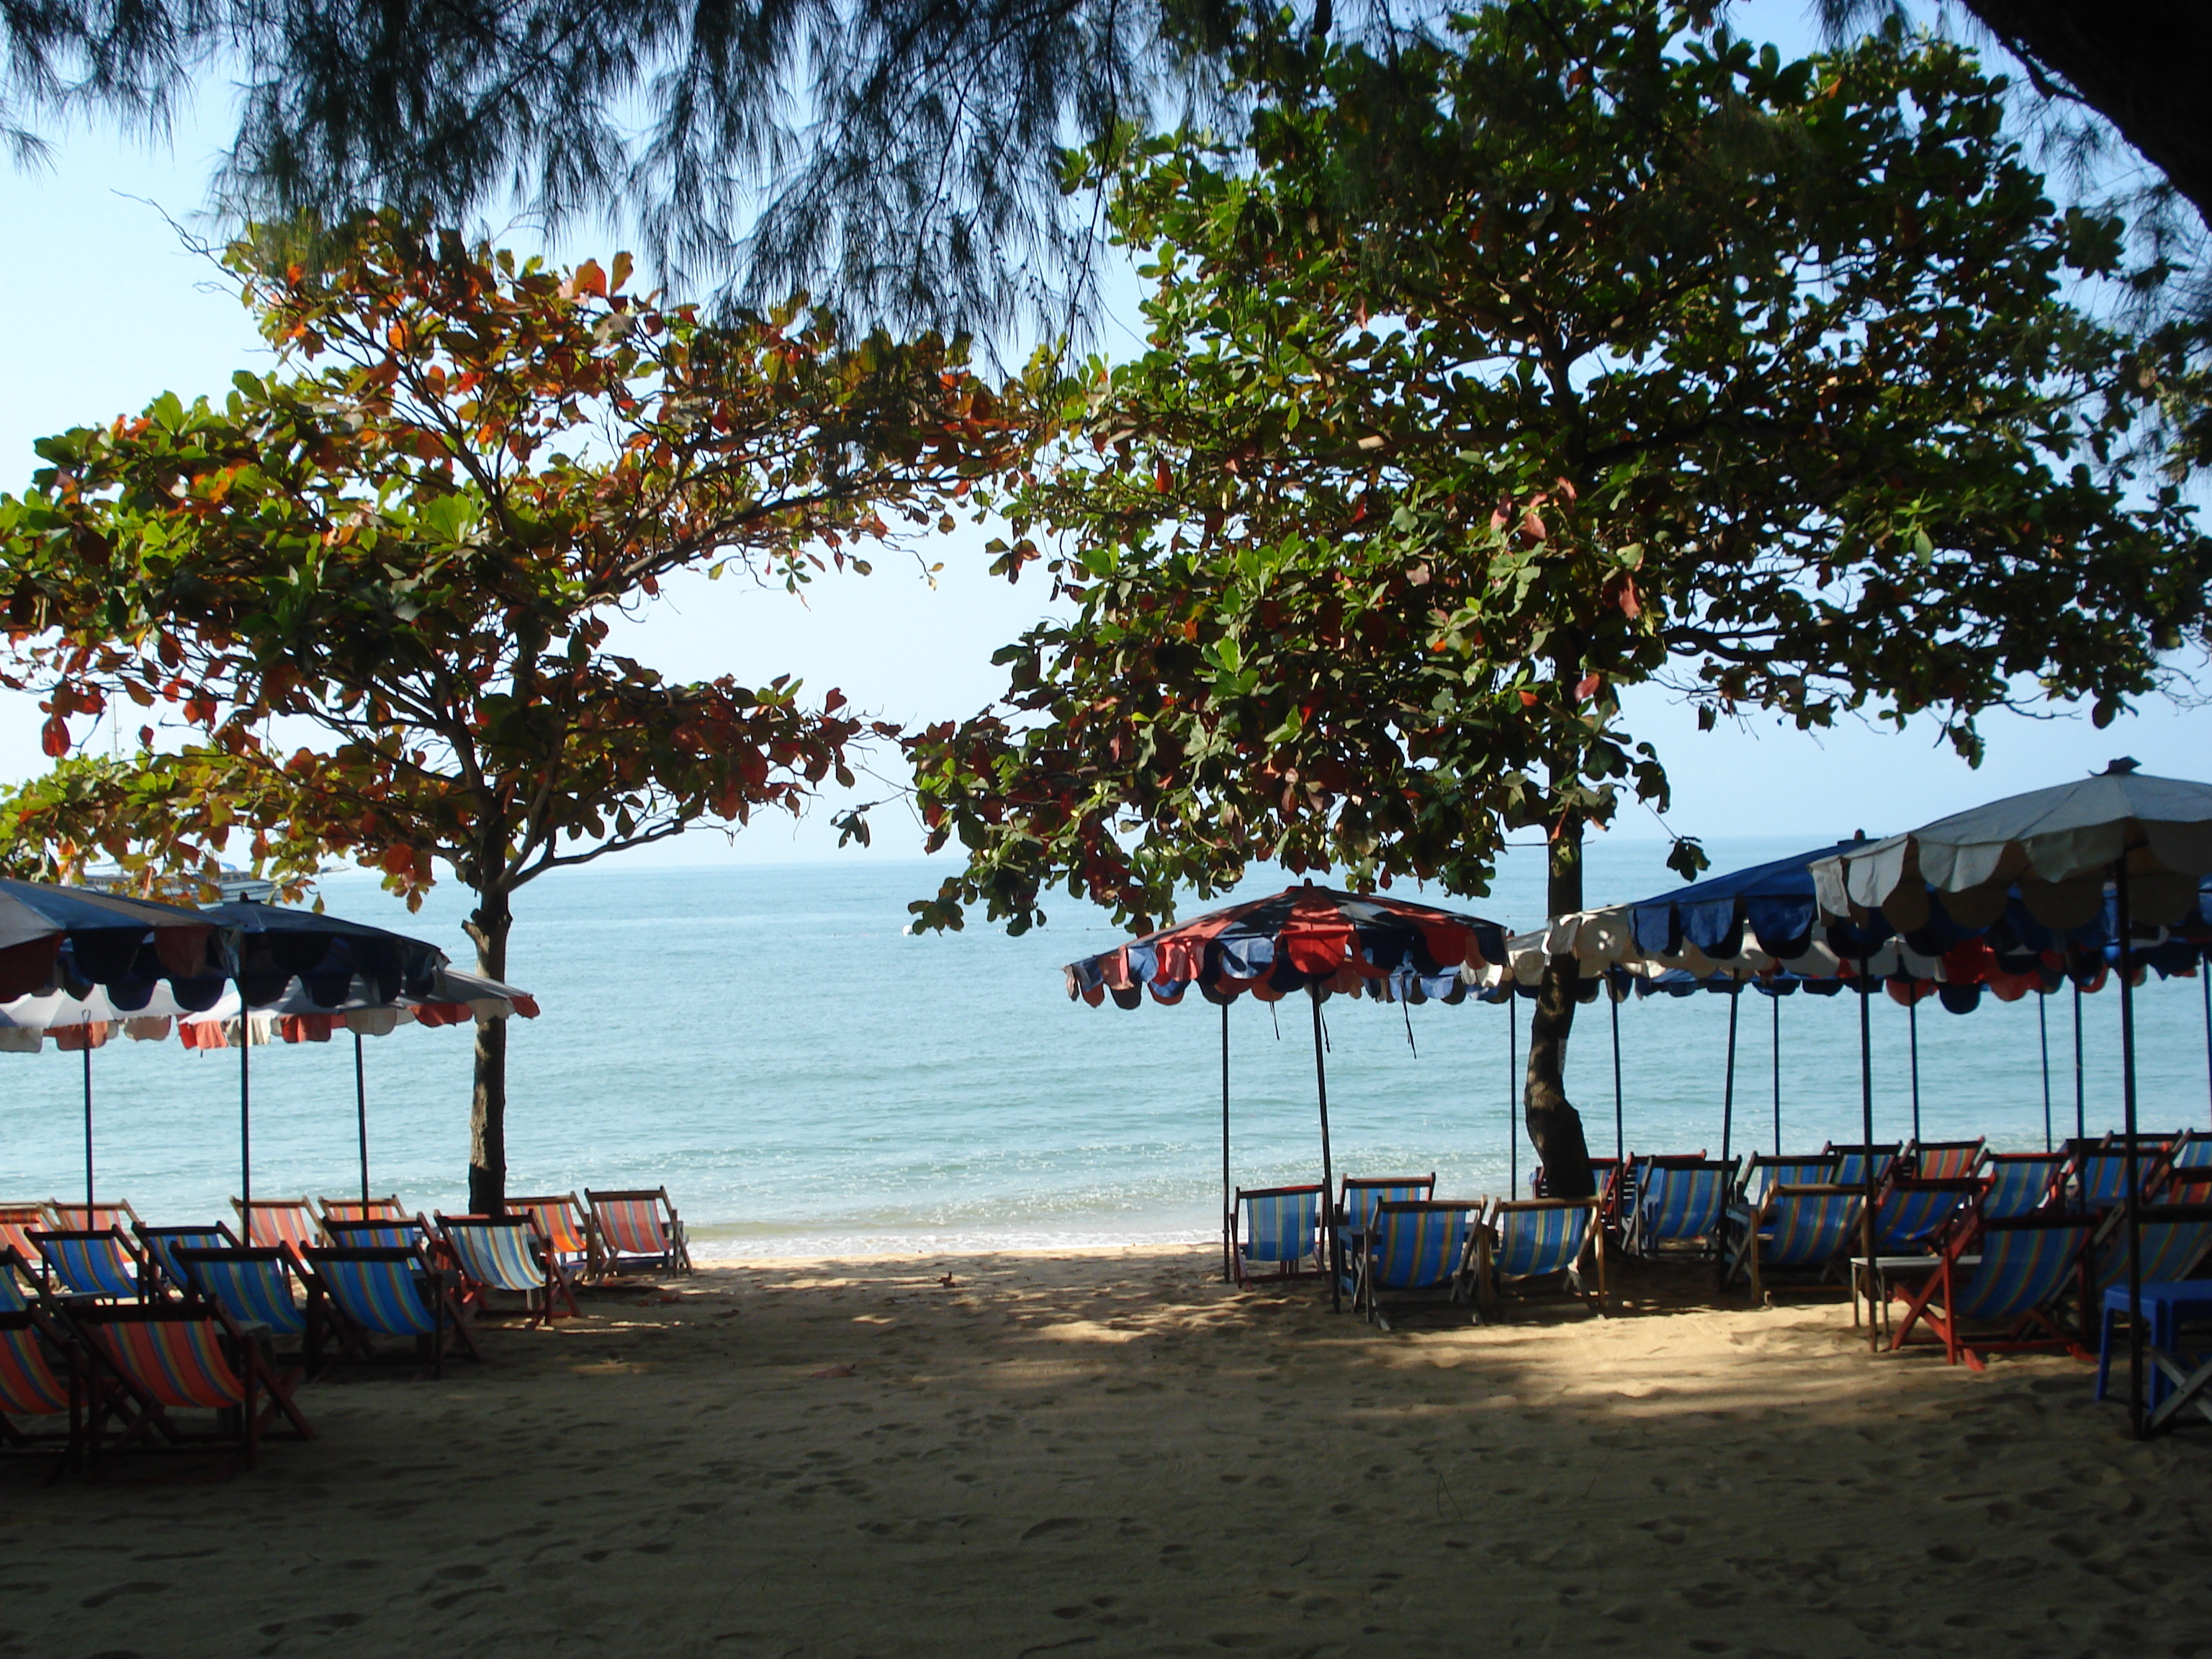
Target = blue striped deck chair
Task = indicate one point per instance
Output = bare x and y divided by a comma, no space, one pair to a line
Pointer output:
1357,1198
1797,1228
2175,1238
387,1208
1942,1160
262,1286
507,1254
1419,1250
1911,1214
19,1286
1278,1227
155,1360
2020,1183
370,1293
161,1244
1851,1161
2100,1177
1677,1201
403,1233
2008,1274
1536,1239
104,1264
41,1376
2186,1178
1762,1174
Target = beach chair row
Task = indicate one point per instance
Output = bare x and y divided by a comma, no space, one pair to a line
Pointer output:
605,1232
1391,1241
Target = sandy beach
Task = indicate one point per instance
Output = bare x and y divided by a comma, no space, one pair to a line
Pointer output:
1112,1452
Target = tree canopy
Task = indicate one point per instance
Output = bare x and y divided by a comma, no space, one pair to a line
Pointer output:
411,548
1627,353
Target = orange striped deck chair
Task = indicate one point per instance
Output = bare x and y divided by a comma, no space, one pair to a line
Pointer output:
566,1225
288,1222
387,1208
17,1223
40,1377
639,1228
92,1217
1944,1160
19,1286
156,1359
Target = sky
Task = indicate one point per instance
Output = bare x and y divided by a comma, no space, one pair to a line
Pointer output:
109,310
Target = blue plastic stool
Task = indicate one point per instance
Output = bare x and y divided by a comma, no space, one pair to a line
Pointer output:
2164,1303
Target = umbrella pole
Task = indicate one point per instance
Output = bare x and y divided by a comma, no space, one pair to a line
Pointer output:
1619,1139
2080,1097
1776,1010
246,1117
1228,1203
2042,1042
1912,1041
1727,1083
1865,988
2204,979
360,1116
2128,1119
1512,1078
87,1127
1328,1174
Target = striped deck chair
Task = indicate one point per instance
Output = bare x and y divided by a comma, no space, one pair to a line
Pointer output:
370,1293
1762,1174
1356,1199
509,1254
1911,1214
1797,1227
287,1223
2100,1177
262,1287
388,1208
104,1264
162,1357
638,1228
2020,1183
1421,1249
2008,1274
1943,1160
1535,1240
91,1218
1851,1161
19,1285
161,1244
1677,1201
566,1225
2175,1238
1280,1228
17,1223
2187,1176
400,1233
1602,1172
40,1377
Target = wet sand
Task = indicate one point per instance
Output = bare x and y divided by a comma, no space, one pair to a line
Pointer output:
1113,1453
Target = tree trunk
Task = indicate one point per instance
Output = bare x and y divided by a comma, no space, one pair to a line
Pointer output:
1553,1124
489,927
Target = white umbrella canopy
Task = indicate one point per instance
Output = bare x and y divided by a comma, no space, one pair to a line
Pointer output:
2061,846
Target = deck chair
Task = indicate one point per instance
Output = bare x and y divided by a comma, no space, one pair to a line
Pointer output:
104,1264
1910,1214
1762,1174
1536,1239
1677,1201
1422,1249
259,1286
91,1218
1942,1160
2101,1177
161,1244
2175,1238
2008,1273
2019,1182
386,1233
158,1359
639,1228
1357,1197
1280,1228
509,1254
566,1225
41,1376
370,1293
17,1223
287,1223
387,1208
1602,1172
20,1287
1797,1227
1851,1162
2187,1177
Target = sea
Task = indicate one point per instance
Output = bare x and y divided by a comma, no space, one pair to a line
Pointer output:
807,1077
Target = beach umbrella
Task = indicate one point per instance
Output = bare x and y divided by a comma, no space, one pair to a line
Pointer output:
75,963
1306,938
2150,837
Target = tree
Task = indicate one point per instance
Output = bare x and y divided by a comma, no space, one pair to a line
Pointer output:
413,551
1627,353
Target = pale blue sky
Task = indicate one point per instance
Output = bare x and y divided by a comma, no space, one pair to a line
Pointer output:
110,310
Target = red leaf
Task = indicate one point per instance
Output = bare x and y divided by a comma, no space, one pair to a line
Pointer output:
54,738
1587,687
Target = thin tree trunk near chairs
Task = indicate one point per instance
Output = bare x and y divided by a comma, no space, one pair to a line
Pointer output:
1554,1126
489,927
